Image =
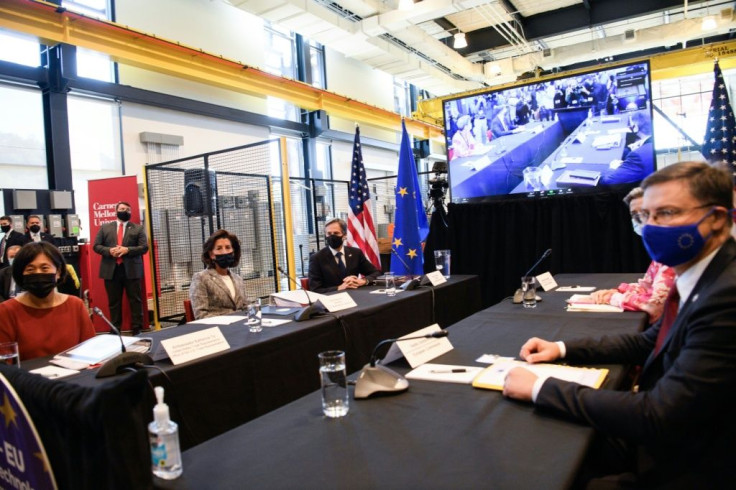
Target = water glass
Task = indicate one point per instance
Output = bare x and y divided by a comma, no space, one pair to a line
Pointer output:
254,316
335,402
529,291
9,354
442,262
390,284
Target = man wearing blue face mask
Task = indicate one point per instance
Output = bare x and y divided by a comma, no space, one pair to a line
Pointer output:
675,429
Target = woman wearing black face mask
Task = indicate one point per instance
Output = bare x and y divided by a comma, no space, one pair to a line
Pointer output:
217,290
42,320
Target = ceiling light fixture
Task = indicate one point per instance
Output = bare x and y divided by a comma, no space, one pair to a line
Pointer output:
709,23
460,41
406,4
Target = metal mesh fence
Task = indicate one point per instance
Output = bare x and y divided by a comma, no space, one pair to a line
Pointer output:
191,198
234,189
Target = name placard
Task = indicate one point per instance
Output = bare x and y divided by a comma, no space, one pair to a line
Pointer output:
546,281
337,302
419,351
192,346
436,278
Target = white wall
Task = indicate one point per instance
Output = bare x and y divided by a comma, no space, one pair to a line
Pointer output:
378,162
201,134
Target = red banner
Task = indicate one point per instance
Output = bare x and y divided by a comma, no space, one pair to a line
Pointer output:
104,194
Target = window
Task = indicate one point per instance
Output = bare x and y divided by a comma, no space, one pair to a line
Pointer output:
94,140
402,100
280,59
316,68
91,64
20,49
22,143
685,101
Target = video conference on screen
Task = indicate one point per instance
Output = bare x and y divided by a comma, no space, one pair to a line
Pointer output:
577,133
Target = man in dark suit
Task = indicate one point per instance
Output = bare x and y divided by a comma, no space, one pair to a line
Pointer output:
337,266
501,124
8,287
35,233
10,238
677,426
121,244
638,157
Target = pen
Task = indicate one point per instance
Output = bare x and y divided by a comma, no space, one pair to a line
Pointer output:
447,371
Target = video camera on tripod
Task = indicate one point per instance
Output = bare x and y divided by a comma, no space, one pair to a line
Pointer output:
437,193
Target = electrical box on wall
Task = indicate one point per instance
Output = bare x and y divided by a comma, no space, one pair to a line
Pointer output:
73,225
56,228
60,199
19,225
24,199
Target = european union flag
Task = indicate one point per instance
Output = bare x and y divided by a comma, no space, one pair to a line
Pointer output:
410,221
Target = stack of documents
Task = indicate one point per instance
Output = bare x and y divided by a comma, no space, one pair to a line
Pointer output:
99,349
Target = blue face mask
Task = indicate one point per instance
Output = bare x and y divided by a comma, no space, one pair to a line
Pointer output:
674,245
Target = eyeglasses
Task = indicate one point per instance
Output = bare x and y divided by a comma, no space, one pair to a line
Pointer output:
664,215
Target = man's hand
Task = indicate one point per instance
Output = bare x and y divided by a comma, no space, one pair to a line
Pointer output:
351,282
538,350
519,384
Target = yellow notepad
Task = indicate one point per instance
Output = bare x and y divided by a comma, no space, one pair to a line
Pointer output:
492,377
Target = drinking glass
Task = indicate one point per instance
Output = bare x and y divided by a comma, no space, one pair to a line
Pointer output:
442,262
335,402
390,284
529,291
254,316
9,354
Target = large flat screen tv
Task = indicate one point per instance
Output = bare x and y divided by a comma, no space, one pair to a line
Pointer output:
577,133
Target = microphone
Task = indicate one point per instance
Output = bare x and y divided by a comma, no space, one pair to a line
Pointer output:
518,294
306,312
412,283
122,360
97,311
375,379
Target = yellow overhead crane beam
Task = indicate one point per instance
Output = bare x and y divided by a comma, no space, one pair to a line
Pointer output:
681,63
52,24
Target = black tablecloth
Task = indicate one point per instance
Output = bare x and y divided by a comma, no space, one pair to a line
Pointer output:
437,435
263,371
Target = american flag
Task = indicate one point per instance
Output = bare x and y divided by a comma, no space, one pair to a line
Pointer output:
361,231
719,144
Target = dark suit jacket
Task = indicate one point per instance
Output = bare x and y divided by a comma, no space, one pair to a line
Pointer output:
134,238
681,420
14,238
45,237
324,276
637,165
5,276
497,126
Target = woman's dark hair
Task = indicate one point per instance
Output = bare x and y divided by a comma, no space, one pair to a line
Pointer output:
209,245
28,254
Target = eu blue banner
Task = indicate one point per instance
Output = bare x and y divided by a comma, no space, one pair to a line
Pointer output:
410,222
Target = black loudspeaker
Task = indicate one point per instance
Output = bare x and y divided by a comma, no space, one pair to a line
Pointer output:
317,123
196,190
421,149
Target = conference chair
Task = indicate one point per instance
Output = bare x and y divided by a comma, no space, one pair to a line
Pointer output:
188,311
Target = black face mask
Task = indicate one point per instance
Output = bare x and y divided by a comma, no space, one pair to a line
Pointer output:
34,228
334,241
225,260
39,285
123,215
5,228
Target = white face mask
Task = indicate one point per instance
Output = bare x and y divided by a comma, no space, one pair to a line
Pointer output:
10,260
637,227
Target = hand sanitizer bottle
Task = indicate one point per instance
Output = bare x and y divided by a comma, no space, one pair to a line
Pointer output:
164,437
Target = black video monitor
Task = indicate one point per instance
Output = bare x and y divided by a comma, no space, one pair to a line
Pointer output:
586,132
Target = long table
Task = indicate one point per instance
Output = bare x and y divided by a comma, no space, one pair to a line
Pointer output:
437,435
263,371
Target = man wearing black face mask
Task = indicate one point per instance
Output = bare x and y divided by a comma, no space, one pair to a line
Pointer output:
8,239
121,245
35,233
676,426
337,266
